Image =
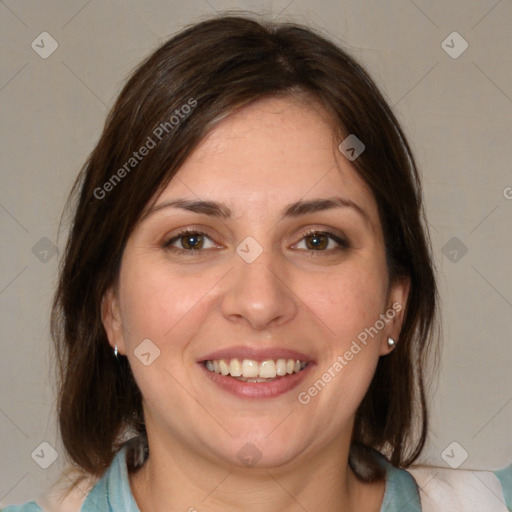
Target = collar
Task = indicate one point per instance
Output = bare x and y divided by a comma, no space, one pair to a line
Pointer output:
112,492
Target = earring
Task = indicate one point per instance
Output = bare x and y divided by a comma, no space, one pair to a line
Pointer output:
115,351
391,342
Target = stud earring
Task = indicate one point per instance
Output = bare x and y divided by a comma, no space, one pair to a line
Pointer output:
391,342
115,351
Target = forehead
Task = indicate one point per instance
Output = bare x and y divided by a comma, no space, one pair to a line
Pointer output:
271,152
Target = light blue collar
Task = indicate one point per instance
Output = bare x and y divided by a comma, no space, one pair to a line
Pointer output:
401,492
112,493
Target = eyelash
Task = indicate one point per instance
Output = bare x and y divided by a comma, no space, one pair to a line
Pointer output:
343,244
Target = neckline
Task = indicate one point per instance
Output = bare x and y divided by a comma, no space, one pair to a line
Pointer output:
401,493
113,491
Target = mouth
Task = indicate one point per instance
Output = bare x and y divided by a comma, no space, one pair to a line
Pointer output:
250,370
256,374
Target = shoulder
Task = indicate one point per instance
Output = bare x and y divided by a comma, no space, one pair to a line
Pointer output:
401,492
26,507
76,491
454,490
67,494
436,489
62,496
505,477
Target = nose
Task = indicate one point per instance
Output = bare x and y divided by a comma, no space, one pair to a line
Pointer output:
259,293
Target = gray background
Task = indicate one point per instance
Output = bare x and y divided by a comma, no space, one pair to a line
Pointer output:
457,113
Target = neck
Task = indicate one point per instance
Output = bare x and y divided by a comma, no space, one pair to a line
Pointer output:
174,478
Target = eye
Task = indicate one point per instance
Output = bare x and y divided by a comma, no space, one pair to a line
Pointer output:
322,241
189,241
193,241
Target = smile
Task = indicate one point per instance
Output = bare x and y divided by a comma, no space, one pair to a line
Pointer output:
249,370
250,379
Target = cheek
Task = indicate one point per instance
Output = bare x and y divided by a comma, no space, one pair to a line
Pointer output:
166,308
347,302
155,301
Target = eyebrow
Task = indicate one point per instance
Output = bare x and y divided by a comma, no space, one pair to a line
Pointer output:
292,210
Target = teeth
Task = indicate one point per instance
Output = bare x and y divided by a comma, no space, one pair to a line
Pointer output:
235,368
249,370
267,369
281,367
224,368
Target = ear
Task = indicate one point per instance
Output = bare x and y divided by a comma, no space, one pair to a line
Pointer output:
111,319
395,312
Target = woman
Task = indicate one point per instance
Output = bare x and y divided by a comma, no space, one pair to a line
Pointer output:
248,293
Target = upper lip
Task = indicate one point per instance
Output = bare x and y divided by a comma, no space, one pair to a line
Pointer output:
256,354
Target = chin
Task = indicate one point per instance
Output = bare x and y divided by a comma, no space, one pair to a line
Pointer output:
260,451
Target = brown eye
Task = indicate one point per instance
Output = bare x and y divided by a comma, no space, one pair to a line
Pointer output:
317,241
322,241
192,241
188,241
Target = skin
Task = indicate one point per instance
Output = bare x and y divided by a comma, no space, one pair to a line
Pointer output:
294,295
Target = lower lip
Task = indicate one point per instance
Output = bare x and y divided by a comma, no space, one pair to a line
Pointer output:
243,389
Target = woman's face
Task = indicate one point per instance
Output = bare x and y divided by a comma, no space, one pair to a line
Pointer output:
285,261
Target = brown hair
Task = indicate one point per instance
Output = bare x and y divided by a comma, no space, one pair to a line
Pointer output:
215,67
